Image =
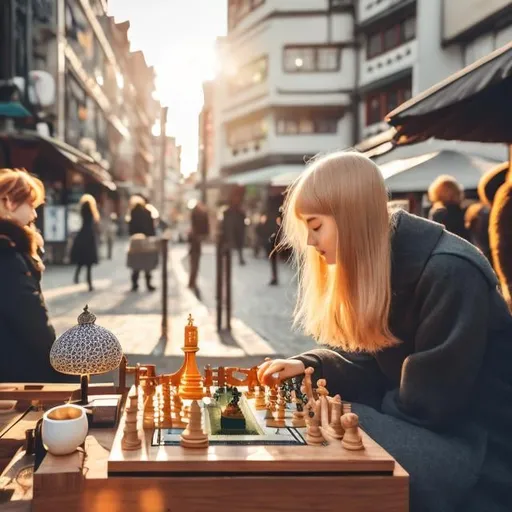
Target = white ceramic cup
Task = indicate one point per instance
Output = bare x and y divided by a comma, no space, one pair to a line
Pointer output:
64,429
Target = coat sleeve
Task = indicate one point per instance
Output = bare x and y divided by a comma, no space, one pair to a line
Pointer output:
356,377
500,238
26,315
452,303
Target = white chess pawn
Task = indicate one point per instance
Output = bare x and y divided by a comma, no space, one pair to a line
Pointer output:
352,439
194,436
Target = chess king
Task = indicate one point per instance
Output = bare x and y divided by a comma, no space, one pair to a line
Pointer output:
191,383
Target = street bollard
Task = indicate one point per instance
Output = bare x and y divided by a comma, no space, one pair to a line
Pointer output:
165,258
223,284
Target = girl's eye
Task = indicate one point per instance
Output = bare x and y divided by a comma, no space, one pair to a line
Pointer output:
317,228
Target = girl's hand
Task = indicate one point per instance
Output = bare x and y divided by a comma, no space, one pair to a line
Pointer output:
273,371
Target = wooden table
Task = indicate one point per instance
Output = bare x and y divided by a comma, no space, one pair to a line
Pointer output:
103,477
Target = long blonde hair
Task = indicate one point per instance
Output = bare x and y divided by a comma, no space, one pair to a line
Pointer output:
93,206
345,305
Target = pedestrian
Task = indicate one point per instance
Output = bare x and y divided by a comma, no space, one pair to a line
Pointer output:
199,231
110,229
142,255
84,251
234,227
476,220
261,236
26,334
446,195
415,334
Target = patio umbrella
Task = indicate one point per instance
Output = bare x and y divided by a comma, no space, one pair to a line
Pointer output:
417,173
474,104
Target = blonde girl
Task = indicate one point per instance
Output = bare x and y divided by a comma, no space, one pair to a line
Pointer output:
413,331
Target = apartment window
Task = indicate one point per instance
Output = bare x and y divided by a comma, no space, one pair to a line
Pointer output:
242,134
308,59
250,74
379,103
303,125
239,9
391,36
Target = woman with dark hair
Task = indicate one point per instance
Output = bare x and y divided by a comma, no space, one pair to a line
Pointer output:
84,252
26,335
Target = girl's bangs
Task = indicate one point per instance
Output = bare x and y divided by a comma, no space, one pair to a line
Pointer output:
306,199
36,191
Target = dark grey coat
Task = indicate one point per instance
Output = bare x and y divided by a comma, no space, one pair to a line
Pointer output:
441,401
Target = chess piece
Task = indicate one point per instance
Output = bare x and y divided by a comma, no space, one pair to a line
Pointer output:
307,384
281,405
277,420
149,405
191,383
321,390
259,403
131,440
314,435
335,429
346,407
165,418
298,415
352,439
176,405
194,436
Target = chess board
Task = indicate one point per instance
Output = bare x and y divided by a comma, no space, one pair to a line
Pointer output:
258,433
270,450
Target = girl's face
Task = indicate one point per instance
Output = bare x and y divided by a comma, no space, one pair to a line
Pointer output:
23,214
323,236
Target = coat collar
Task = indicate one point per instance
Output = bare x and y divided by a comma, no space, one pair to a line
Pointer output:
412,241
14,236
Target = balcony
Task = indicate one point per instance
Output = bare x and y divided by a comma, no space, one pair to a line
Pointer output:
388,64
373,9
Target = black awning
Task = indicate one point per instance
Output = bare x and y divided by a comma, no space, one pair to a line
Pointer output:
474,104
66,153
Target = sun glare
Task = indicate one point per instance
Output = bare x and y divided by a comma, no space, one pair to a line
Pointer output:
178,39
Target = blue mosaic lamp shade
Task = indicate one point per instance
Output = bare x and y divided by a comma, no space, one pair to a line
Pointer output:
86,349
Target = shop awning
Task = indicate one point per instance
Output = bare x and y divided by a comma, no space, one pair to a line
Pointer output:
474,104
263,176
68,154
417,173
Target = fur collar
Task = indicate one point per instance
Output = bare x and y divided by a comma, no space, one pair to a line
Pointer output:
15,237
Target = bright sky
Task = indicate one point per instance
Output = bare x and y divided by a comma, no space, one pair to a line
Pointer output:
177,37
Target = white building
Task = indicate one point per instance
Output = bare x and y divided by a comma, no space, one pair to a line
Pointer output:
286,86
409,45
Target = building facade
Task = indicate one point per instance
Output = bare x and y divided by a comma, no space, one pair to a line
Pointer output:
89,109
286,86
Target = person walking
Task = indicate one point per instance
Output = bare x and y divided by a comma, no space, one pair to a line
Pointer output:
26,333
200,229
84,251
141,225
234,228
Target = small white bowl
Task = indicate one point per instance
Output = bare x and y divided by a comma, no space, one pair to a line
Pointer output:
64,429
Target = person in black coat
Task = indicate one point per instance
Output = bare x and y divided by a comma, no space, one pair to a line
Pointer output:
446,196
84,252
140,222
415,334
200,229
26,334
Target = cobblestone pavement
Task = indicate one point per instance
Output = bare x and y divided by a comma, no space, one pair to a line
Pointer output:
266,309
135,317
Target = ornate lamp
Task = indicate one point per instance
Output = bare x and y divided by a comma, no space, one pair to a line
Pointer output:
86,349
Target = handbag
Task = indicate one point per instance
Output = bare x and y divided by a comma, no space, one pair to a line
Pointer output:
143,253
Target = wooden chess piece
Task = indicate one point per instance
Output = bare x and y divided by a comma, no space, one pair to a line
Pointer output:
346,407
149,405
176,405
335,429
131,440
165,419
194,436
314,435
191,383
277,420
259,403
307,384
298,415
352,439
281,405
